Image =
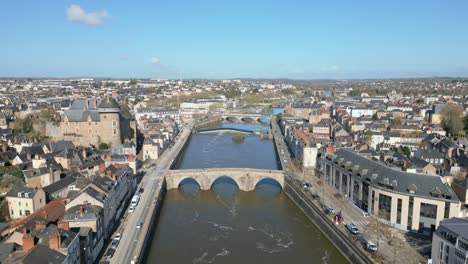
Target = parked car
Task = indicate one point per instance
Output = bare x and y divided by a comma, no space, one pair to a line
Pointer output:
109,253
118,236
306,185
114,244
141,190
352,228
371,246
139,225
315,196
329,210
131,209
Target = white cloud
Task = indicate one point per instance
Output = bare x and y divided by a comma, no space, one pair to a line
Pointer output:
332,68
155,60
76,14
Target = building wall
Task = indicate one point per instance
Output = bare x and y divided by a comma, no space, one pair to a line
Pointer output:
107,130
23,204
373,206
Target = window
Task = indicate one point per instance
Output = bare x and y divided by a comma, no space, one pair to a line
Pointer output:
19,203
27,212
114,131
399,204
89,123
385,206
12,212
114,123
20,212
428,210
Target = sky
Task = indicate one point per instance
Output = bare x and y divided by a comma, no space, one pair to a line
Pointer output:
298,39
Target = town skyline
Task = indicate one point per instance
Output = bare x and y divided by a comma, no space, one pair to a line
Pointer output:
211,40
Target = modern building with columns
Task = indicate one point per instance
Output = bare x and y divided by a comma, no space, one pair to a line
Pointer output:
408,201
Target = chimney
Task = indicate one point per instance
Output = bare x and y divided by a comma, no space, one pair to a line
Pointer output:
51,175
109,173
55,241
40,225
64,225
109,157
81,210
36,156
4,147
28,242
131,158
85,153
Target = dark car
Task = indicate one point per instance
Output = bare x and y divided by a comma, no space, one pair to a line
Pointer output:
109,253
315,196
141,190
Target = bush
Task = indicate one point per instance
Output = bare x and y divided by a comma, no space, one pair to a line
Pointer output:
104,146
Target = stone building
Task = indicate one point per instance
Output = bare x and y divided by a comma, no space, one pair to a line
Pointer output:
93,121
23,201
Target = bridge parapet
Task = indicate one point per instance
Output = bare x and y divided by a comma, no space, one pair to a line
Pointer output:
245,178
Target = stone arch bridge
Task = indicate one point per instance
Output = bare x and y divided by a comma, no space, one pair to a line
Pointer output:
234,117
245,178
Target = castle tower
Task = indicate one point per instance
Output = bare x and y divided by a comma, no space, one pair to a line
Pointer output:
109,125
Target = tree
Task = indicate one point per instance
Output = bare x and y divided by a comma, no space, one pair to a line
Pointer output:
9,181
103,146
375,116
452,119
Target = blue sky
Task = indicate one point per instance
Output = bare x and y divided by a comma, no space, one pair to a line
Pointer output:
304,39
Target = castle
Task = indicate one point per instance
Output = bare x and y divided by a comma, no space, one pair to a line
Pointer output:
92,122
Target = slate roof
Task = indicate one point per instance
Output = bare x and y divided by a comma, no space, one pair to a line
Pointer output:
456,225
109,102
61,184
43,255
382,176
90,212
78,115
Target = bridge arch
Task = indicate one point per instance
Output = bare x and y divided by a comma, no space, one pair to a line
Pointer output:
225,179
268,180
188,180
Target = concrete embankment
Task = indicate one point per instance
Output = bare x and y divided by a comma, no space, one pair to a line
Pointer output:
158,205
345,245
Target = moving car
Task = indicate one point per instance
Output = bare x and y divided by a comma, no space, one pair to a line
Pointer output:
352,228
139,225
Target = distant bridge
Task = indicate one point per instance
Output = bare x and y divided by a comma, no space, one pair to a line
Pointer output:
245,178
233,117
225,129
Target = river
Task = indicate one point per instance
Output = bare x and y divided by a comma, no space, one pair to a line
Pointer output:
225,225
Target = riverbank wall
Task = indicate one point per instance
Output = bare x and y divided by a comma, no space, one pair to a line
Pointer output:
158,205
346,246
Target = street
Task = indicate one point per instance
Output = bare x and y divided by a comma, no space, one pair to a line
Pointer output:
132,239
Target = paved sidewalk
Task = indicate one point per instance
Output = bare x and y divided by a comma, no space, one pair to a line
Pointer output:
392,242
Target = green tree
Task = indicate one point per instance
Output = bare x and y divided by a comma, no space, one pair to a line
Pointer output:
452,119
103,146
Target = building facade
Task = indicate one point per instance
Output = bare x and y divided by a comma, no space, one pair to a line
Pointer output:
408,201
91,121
450,242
